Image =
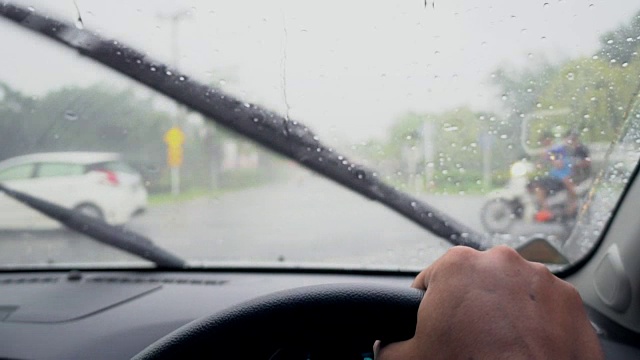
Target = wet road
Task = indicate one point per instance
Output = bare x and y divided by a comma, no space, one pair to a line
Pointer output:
303,221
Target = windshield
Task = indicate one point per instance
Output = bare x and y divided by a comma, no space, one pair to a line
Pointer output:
512,120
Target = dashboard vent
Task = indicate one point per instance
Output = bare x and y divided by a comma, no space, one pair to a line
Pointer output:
154,280
29,280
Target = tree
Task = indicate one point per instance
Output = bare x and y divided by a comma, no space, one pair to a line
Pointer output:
520,89
520,94
457,151
14,108
620,46
94,118
596,94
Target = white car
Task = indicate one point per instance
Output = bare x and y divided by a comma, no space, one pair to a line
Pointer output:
98,184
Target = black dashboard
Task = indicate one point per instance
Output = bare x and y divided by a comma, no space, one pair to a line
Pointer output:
116,314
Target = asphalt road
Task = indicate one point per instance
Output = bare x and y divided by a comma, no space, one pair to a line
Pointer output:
308,220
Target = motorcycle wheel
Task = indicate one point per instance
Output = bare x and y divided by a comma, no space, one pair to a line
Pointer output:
497,215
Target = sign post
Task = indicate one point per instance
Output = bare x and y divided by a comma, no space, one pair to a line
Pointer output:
174,138
486,141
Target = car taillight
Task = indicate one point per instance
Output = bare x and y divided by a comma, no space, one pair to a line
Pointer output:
111,177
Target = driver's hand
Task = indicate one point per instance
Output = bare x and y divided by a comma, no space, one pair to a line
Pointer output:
495,305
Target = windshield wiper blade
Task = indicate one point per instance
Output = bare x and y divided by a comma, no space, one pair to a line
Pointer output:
282,135
99,230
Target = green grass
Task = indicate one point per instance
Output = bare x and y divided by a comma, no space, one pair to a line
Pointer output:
191,194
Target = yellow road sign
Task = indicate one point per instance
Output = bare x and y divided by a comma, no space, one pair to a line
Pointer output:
174,137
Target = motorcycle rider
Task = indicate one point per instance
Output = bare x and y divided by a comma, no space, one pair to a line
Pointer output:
542,161
559,178
580,155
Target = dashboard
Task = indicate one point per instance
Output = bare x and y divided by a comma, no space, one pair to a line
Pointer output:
116,314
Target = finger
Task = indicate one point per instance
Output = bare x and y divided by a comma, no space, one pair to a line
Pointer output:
453,255
376,349
395,351
421,281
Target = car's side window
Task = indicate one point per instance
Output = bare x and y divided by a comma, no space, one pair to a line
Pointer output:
59,169
119,167
18,172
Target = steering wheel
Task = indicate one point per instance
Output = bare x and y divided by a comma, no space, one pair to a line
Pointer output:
335,321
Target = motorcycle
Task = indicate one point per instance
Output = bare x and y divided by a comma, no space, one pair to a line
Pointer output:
515,202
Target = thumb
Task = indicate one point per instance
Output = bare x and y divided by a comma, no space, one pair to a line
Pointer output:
402,350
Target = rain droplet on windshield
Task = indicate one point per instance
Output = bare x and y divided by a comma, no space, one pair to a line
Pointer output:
70,115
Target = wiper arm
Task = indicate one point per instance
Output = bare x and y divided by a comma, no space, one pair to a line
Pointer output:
267,128
99,230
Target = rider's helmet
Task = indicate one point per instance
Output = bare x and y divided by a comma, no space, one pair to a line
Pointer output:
557,152
572,136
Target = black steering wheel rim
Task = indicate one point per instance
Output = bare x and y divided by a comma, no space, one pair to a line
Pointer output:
320,315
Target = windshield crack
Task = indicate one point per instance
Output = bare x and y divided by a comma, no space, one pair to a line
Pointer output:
285,48
79,22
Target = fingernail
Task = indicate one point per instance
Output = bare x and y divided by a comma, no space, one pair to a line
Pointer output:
376,349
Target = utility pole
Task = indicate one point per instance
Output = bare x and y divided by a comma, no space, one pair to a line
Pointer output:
428,148
175,19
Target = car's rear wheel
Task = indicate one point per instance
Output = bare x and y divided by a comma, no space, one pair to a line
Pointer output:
90,210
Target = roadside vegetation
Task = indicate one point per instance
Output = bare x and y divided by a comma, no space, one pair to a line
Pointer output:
468,151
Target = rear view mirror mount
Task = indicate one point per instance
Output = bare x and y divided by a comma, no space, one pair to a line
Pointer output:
539,249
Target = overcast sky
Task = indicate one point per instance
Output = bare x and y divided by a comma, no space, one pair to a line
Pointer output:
346,68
